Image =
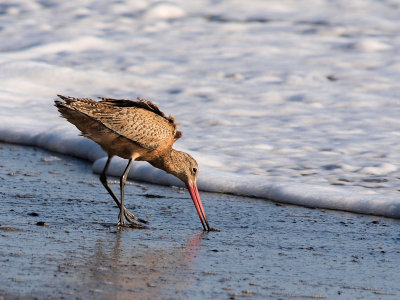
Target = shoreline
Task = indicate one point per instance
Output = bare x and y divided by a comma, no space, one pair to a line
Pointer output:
300,194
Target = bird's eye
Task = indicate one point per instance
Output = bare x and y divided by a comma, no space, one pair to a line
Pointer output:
194,170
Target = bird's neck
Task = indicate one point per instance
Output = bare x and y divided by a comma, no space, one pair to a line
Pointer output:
167,162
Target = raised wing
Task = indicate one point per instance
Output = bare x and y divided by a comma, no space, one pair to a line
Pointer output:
140,121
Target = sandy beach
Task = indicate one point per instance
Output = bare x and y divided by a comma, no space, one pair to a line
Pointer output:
59,241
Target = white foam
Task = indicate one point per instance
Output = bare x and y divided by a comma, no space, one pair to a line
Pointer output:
164,11
371,45
382,169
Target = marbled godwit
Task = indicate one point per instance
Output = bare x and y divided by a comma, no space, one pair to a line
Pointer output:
134,130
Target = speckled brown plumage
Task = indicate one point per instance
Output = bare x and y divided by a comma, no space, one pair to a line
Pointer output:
139,121
134,130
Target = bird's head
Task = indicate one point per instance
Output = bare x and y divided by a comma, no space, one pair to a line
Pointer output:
185,167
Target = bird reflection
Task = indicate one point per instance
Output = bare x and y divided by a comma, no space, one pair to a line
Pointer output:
118,270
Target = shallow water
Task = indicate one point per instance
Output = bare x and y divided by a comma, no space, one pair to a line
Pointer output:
264,250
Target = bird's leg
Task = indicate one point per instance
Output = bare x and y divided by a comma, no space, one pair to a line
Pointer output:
103,180
122,185
129,216
124,213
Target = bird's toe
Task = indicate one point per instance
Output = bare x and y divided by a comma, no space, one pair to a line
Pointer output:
130,217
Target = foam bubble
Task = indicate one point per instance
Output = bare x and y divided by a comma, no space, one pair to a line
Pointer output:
164,11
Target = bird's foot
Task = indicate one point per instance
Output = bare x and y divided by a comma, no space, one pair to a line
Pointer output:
124,213
130,216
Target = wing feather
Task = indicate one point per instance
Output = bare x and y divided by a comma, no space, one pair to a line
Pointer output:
140,121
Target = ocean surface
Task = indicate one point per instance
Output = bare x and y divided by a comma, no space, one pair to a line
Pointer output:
293,101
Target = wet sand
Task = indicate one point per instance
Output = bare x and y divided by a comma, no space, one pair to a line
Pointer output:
58,240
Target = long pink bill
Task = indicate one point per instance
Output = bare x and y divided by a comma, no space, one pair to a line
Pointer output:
194,193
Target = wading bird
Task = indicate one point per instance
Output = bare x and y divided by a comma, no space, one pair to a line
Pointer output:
134,130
